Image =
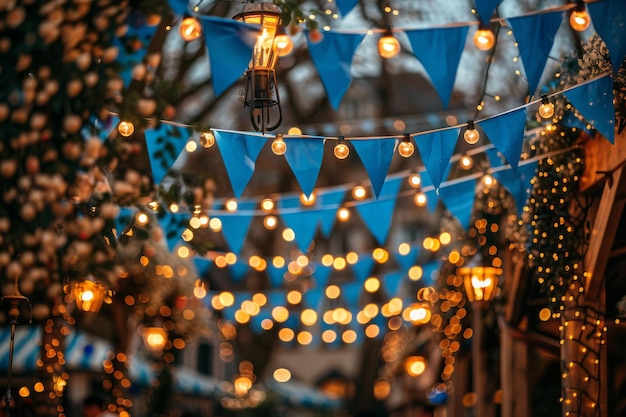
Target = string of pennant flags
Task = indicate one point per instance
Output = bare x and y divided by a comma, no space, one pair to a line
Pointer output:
535,34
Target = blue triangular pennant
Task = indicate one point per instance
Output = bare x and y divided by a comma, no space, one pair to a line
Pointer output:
439,50
506,132
235,225
362,268
239,153
304,225
376,155
304,156
535,35
173,225
594,100
321,275
351,292
377,215
391,283
494,157
485,9
178,7
436,149
332,57
164,144
432,199
238,270
570,119
345,6
275,275
313,298
459,200
202,266
518,183
609,20
408,260
329,202
227,37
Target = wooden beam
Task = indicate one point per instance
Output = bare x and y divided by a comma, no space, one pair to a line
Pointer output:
604,229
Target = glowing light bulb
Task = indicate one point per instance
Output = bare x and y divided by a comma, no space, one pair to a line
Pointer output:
546,109
284,45
484,39
341,150
406,147
190,28
279,147
307,200
415,180
207,139
343,214
126,128
388,46
488,180
420,199
579,19
359,192
270,222
466,162
471,135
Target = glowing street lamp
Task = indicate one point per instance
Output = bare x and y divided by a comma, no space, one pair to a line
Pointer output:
154,338
480,282
261,93
89,295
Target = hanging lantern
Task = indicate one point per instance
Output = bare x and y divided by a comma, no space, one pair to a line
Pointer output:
89,295
480,282
261,93
154,338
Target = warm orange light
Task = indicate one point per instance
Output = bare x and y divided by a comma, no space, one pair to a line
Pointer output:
154,338
279,147
283,44
484,39
471,135
341,149
480,282
415,365
388,46
126,128
190,29
406,147
579,19
89,295
546,109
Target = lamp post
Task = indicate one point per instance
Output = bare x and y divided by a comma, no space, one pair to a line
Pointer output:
14,301
480,285
261,93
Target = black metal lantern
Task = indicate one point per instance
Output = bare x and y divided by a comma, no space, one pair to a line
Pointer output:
261,93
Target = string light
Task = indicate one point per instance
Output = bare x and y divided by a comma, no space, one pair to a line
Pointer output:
343,214
307,200
207,139
359,192
126,128
484,39
466,162
406,147
279,147
341,149
190,28
579,19
388,45
546,109
471,135
270,222
415,180
420,199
